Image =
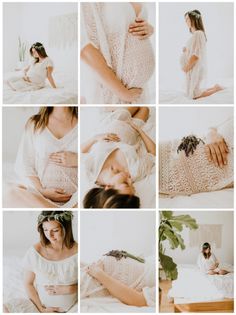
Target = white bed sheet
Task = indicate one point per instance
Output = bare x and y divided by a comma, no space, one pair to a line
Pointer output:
225,96
194,286
145,188
209,200
66,93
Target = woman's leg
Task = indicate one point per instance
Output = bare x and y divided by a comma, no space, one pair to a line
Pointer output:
223,272
216,88
142,113
212,272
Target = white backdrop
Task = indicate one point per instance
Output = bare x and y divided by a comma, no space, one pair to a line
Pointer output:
103,231
219,27
20,231
176,122
30,21
225,254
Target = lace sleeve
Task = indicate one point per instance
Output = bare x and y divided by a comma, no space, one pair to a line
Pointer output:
198,43
89,33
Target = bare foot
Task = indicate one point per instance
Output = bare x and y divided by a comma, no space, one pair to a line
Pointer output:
217,87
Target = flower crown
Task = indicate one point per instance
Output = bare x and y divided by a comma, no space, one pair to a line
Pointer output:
37,46
63,216
197,15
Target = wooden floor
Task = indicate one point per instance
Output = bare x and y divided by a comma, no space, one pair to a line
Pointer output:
167,306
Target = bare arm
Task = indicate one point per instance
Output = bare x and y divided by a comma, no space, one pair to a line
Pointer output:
116,288
29,277
191,63
93,58
86,146
50,78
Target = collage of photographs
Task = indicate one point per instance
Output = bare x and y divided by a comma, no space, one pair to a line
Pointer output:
121,116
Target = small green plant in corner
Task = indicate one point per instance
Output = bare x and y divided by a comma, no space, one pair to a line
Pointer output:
169,229
21,50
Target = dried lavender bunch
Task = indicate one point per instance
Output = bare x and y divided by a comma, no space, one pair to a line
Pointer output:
118,254
189,144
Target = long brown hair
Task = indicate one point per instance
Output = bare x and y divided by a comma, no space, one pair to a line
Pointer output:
65,224
204,247
196,21
40,120
40,50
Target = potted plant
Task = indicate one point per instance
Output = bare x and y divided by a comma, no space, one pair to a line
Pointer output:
21,54
169,229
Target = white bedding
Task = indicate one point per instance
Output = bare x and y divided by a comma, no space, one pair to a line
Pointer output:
13,280
225,96
194,286
110,305
66,93
146,188
207,200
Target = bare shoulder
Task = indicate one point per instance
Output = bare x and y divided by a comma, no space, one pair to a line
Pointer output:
38,247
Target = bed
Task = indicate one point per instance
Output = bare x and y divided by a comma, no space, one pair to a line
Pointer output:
145,188
66,93
207,200
225,96
13,280
192,286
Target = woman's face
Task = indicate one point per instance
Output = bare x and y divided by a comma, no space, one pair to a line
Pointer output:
117,179
188,21
35,53
53,231
207,250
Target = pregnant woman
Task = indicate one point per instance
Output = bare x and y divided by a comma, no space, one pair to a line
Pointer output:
118,274
117,158
118,52
193,58
36,73
208,263
47,160
50,268
193,165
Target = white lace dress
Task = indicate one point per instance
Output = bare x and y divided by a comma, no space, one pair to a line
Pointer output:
181,175
140,162
37,75
206,264
196,46
47,272
136,275
33,160
105,26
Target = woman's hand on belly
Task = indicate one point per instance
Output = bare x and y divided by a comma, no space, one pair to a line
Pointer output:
64,158
55,194
61,289
141,28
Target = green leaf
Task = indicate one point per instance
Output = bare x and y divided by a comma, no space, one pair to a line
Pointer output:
177,225
169,267
167,214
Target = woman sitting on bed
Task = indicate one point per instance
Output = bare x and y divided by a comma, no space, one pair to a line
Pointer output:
193,165
36,73
47,161
117,158
208,263
121,275
50,268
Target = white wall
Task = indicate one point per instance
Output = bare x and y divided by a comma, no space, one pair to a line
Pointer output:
218,22
225,254
176,122
103,231
30,21
20,231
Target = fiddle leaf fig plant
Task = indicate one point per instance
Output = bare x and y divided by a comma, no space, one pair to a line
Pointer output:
169,229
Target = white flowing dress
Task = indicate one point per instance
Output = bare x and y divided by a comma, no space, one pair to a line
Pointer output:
37,75
206,264
140,162
33,160
196,46
136,275
48,272
105,26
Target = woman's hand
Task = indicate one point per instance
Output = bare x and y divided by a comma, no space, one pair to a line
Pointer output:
184,49
216,149
64,158
131,95
50,77
107,137
141,28
60,289
55,194
95,269
50,310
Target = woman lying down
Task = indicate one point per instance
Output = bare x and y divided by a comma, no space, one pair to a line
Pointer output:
121,275
117,158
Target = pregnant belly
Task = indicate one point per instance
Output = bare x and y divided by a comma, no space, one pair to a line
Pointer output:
139,62
60,177
64,302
